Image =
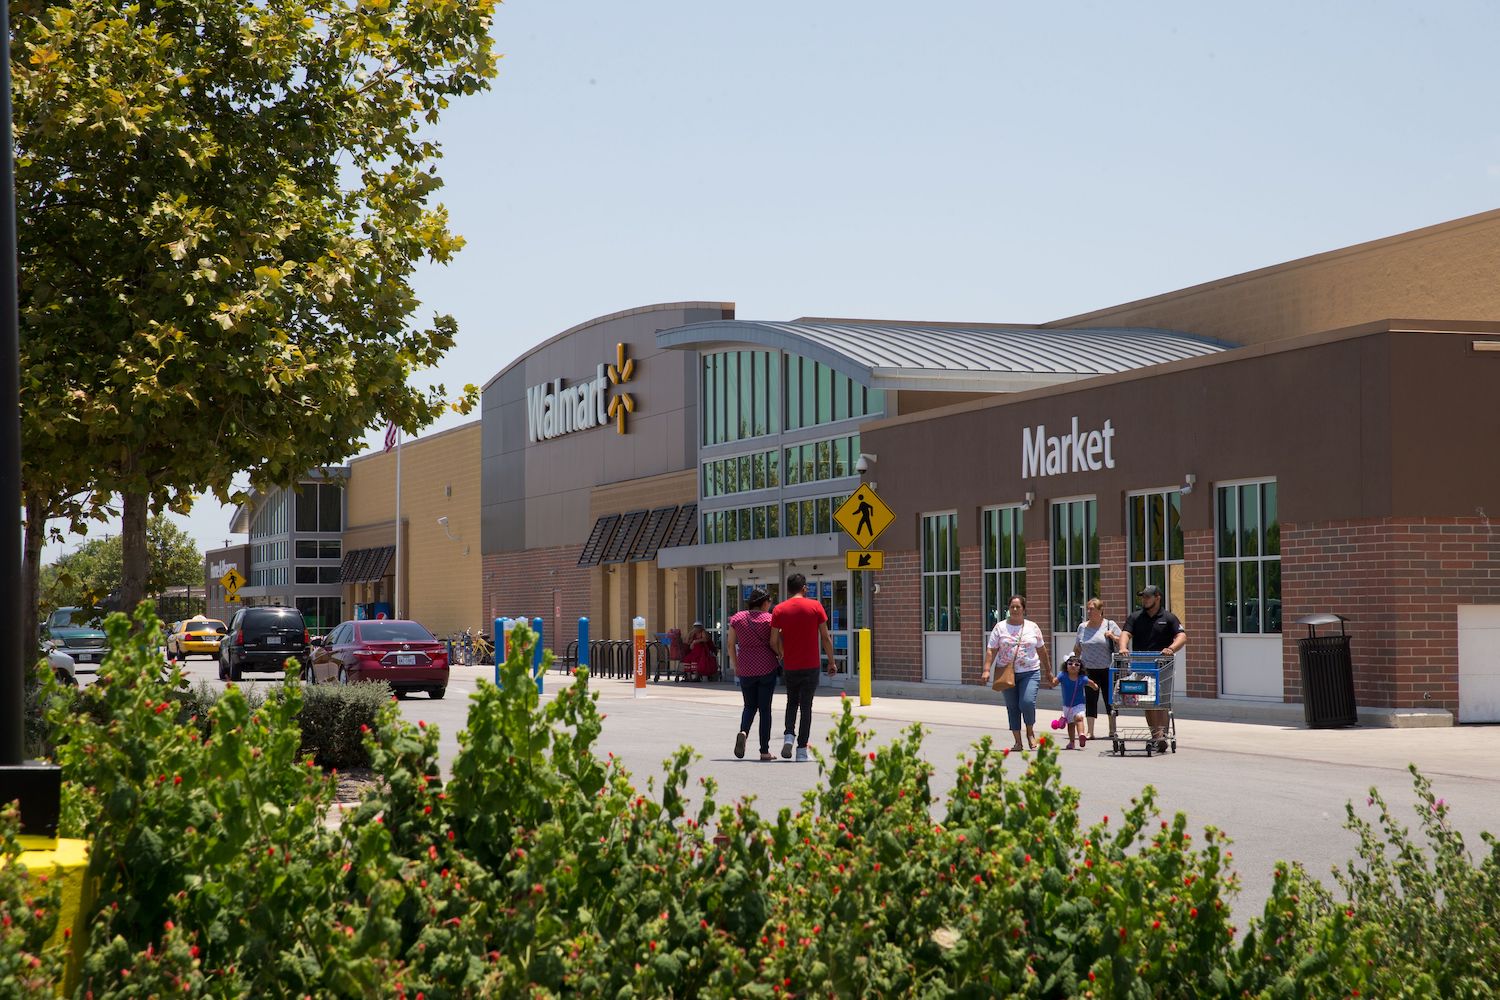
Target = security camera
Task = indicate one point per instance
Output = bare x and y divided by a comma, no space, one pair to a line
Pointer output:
443,520
861,466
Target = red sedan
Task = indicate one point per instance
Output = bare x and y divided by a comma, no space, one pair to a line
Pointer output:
402,653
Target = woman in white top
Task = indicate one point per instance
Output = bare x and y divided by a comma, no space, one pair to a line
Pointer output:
1017,640
1098,637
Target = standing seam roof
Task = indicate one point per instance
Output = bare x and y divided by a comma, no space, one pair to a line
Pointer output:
886,355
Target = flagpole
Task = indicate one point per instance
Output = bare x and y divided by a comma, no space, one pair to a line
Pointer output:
396,599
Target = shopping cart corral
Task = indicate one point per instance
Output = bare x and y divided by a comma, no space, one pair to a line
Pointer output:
1141,682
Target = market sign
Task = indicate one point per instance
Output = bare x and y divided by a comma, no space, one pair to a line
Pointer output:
1075,451
554,408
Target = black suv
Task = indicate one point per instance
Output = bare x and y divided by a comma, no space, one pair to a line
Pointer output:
263,639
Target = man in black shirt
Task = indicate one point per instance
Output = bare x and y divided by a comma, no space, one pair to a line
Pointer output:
1151,628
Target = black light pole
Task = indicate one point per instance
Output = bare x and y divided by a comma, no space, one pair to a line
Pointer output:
37,786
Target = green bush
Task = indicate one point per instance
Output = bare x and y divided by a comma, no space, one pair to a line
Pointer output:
335,718
539,869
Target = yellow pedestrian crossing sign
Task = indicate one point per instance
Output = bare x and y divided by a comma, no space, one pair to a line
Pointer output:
864,559
864,516
233,580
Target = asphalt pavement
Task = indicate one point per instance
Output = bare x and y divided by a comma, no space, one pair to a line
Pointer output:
1277,790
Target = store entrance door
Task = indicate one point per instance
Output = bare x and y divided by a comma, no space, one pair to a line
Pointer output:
832,591
738,583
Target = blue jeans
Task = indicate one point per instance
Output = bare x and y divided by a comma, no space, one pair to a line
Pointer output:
1020,701
757,692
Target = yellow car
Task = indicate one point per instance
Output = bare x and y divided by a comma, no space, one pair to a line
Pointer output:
196,635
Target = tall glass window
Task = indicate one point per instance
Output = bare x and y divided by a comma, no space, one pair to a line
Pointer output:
1153,533
1249,558
1075,560
1003,541
940,575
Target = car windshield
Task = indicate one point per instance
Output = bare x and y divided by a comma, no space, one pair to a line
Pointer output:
77,618
394,632
205,626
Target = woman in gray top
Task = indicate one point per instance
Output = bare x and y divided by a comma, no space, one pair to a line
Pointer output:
1098,637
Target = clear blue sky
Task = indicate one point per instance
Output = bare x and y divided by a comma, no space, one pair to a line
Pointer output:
981,160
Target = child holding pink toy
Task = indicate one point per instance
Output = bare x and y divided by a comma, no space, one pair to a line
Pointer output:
1075,681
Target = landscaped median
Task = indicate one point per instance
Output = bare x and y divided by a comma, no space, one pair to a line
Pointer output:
538,868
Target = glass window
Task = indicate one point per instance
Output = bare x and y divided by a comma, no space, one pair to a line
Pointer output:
809,393
793,519
941,590
330,508
773,405
307,574
809,519
307,508
841,464
1075,561
793,367
773,477
745,529
825,394
1003,553
330,550
732,396
1154,554
825,516
840,396
1249,559
307,549
793,466
773,521
747,480
328,574
825,460
747,395
759,520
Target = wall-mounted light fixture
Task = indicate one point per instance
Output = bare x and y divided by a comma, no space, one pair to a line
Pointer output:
1188,482
1028,501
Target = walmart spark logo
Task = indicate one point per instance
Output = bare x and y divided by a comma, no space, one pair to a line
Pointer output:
620,403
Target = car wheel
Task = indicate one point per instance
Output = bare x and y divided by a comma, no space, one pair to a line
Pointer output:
223,670
436,694
343,675
236,672
400,693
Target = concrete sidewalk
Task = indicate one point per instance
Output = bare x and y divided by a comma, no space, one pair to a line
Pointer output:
1269,730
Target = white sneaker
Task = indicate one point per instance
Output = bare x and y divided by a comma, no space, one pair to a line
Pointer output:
787,742
802,754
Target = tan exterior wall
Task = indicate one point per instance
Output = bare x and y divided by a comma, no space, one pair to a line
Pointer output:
439,478
1445,270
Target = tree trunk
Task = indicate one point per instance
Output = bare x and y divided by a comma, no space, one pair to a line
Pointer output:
133,551
31,564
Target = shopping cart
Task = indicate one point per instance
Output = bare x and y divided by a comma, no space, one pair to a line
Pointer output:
1141,681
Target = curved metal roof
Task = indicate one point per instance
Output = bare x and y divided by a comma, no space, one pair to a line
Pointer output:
952,358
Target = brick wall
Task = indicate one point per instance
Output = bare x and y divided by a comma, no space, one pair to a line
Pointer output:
1198,615
534,582
1401,580
896,633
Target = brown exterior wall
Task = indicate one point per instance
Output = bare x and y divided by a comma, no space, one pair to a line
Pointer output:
439,478
1383,505
1445,270
215,602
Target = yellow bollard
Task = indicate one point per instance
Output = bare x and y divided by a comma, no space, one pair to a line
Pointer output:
864,666
66,861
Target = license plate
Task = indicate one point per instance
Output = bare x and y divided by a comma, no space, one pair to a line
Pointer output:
406,659
273,640
84,657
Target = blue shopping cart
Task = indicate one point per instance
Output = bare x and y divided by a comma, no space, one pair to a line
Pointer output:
1142,682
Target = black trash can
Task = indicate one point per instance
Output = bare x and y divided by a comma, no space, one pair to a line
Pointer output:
1327,675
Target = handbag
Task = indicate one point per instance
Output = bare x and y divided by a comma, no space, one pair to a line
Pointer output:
1006,678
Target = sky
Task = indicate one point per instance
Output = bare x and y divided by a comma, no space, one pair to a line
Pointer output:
959,160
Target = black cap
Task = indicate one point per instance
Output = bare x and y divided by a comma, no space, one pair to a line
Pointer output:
757,596
1149,590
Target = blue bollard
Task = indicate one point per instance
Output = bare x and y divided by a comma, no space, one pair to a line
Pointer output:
536,653
583,644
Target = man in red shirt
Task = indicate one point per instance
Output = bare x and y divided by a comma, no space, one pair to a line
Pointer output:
799,625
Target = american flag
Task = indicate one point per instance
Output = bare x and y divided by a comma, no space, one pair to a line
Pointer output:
391,432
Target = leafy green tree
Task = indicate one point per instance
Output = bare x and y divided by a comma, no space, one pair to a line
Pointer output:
93,571
221,206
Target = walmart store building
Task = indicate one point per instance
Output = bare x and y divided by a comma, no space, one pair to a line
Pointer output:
1311,437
